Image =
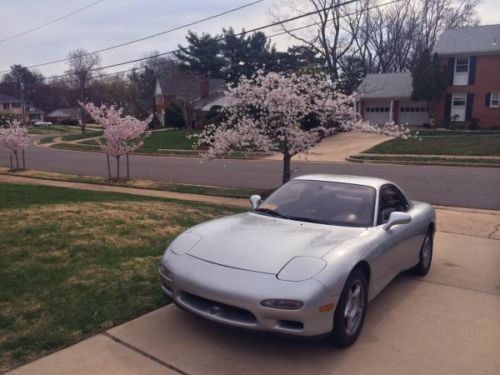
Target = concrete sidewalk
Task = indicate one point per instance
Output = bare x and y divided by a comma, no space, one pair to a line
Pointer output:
444,323
126,190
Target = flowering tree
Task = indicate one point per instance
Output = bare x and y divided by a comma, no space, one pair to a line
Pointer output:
16,138
122,134
268,112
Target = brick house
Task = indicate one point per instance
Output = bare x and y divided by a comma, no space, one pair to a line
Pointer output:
11,106
472,58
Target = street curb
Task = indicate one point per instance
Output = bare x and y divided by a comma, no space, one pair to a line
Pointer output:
407,162
195,154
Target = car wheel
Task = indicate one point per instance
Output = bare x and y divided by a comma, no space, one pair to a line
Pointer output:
425,257
351,310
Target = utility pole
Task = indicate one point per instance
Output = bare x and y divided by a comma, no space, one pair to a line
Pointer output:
23,105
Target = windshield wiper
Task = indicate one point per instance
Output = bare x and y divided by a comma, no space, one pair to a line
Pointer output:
271,212
306,219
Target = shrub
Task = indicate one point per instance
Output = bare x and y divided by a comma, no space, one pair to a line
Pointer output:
173,117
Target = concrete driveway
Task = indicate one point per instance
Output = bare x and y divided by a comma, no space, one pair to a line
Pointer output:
338,147
445,323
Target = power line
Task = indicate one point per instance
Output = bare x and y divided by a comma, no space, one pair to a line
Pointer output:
149,36
347,14
238,34
51,22
220,38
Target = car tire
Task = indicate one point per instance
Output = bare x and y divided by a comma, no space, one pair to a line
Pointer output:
425,256
351,310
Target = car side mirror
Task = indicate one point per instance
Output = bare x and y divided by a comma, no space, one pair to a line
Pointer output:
397,218
255,201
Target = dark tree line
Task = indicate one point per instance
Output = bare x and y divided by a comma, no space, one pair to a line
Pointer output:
230,55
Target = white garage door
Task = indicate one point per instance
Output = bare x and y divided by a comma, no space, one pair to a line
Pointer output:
413,113
377,112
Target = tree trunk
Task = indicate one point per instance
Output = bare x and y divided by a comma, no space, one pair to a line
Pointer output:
286,166
128,168
24,161
17,159
82,98
109,167
117,168
11,165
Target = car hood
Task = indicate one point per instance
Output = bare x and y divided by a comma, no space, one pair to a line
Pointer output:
265,244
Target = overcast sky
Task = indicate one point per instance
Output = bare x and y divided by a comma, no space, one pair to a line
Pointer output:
116,21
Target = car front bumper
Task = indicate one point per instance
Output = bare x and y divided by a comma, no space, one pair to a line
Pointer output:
233,296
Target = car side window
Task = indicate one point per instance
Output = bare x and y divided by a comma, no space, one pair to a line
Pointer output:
391,199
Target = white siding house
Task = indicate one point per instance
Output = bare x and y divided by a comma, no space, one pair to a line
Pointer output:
387,98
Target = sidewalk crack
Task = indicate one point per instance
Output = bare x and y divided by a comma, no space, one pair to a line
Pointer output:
143,353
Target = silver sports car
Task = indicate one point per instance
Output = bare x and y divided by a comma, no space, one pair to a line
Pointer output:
305,261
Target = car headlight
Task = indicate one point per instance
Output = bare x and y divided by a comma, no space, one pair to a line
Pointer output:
301,268
283,304
165,272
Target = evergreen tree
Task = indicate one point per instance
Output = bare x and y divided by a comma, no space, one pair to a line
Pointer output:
202,55
429,79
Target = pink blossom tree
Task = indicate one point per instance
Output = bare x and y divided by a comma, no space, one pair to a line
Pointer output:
122,134
267,112
15,138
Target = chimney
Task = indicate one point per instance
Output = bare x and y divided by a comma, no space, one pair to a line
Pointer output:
204,87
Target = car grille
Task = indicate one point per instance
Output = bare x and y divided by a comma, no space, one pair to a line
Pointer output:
217,309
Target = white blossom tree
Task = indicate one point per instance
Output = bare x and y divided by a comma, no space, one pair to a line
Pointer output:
15,138
274,112
122,134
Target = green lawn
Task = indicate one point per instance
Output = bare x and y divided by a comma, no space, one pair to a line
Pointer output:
478,145
77,262
87,134
168,139
44,129
440,133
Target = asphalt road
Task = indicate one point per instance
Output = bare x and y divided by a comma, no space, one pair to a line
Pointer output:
440,185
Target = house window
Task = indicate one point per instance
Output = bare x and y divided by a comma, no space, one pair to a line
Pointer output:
5,105
495,99
462,65
458,100
377,109
16,105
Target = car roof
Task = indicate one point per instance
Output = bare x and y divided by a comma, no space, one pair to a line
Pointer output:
345,179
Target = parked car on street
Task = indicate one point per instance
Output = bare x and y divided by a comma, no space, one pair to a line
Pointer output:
41,123
305,261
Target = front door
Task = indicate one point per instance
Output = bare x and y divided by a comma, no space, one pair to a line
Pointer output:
458,104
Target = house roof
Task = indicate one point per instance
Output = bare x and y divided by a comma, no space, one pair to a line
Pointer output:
8,99
474,39
218,99
386,85
179,84
65,112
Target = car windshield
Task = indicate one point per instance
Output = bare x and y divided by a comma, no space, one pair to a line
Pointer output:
322,202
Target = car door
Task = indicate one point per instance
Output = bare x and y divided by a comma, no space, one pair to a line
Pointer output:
394,253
